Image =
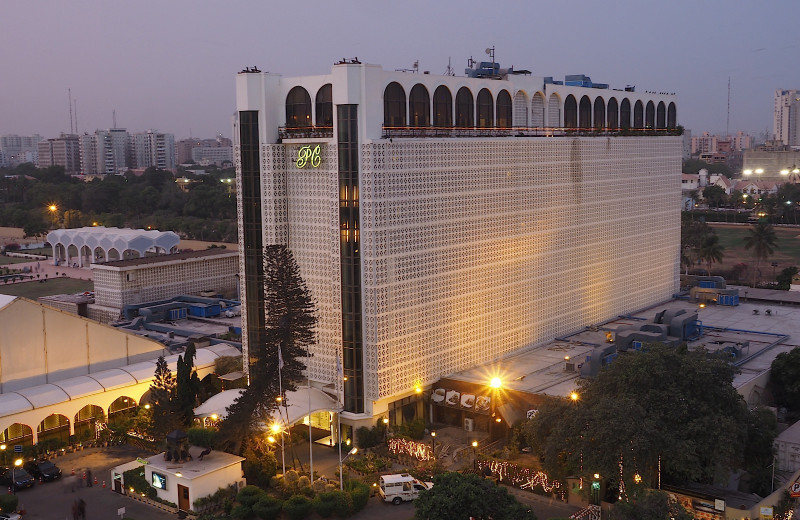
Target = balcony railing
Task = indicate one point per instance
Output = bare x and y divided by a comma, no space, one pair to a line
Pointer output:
305,132
440,132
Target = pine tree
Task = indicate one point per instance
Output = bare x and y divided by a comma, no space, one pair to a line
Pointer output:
162,400
290,327
187,387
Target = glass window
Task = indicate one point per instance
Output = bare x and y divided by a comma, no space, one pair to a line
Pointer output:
442,107
419,106
298,108
394,105
465,108
504,109
324,106
485,109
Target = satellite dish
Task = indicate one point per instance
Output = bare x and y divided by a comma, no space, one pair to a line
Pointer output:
489,51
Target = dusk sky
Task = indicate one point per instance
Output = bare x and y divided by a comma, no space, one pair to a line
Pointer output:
170,65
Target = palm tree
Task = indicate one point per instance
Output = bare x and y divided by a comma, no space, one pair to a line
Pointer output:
763,241
710,251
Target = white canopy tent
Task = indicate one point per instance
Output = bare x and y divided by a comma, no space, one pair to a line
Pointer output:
92,244
300,403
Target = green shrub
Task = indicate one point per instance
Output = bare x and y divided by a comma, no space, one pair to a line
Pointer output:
303,482
241,511
318,486
359,494
267,507
325,504
249,495
134,478
204,437
8,503
291,477
297,507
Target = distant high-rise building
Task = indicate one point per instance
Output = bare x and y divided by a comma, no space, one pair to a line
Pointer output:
105,152
708,143
786,125
153,148
61,151
18,149
185,147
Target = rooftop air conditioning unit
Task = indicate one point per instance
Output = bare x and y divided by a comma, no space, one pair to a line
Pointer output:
469,424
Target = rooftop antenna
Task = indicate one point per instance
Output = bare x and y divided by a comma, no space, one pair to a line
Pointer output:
76,115
114,117
490,52
69,94
470,62
415,67
449,71
728,120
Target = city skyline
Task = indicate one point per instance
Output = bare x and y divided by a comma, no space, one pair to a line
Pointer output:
171,66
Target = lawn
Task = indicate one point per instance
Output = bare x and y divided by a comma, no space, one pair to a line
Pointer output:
787,252
35,289
8,260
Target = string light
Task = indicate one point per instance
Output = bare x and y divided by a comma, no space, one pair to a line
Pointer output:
520,476
418,450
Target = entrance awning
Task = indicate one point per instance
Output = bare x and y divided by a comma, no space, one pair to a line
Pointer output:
300,403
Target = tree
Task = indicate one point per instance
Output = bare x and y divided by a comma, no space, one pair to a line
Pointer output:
162,400
785,379
664,407
276,366
710,251
763,241
187,387
455,497
785,278
35,228
715,196
652,505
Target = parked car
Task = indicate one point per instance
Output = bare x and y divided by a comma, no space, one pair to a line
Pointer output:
10,516
16,478
43,469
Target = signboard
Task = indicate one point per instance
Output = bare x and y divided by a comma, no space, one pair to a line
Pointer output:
121,512
142,461
794,491
18,448
308,155
455,399
765,513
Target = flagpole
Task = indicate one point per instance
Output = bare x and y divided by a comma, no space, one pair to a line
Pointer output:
339,377
310,441
280,390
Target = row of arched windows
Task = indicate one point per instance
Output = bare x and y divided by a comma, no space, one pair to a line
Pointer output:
484,111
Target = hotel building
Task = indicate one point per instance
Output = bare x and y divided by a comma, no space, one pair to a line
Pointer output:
444,222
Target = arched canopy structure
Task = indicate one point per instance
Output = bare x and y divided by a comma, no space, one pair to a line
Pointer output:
105,240
297,404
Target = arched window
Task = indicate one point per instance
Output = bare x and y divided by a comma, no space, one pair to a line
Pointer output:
298,108
485,109
394,105
585,113
661,115
613,113
442,107
521,112
638,115
465,115
554,111
599,113
625,114
537,110
671,116
503,109
570,112
324,105
419,106
650,115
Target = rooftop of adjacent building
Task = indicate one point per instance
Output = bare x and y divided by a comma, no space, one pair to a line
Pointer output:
767,319
156,259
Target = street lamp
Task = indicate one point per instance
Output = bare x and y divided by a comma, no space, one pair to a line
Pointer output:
385,429
475,455
276,428
53,209
433,444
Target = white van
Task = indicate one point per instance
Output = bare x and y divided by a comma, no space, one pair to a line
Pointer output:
400,487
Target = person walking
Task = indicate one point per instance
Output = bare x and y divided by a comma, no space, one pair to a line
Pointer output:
88,477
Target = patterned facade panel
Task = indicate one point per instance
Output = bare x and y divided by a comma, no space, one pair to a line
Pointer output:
473,249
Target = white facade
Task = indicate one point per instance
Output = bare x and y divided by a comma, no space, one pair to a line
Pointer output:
153,148
18,149
469,248
786,121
